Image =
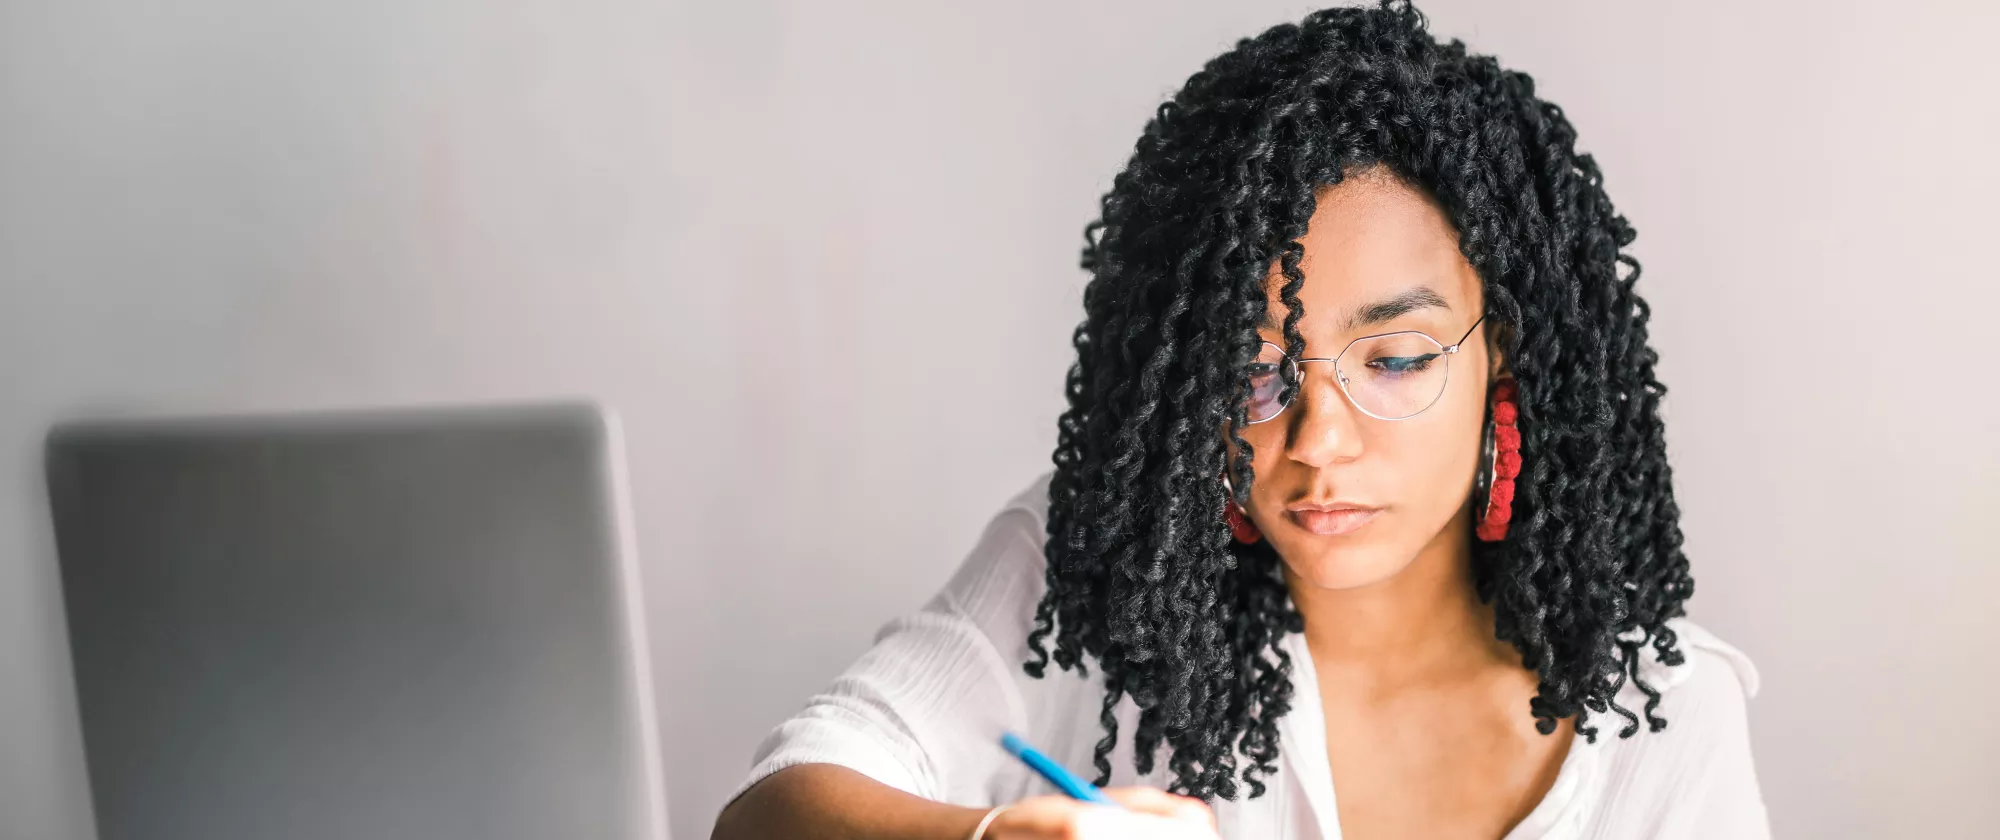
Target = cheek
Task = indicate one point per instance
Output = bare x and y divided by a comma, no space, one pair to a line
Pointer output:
1267,440
1435,464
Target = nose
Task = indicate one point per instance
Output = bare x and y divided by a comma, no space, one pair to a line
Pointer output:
1325,426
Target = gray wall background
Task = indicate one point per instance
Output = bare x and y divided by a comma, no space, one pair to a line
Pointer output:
822,255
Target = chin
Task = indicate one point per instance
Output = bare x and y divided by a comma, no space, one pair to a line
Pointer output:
1330,564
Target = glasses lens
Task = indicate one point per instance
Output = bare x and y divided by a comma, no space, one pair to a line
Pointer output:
1267,390
1394,376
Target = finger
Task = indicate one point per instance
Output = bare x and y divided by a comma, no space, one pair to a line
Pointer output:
1147,800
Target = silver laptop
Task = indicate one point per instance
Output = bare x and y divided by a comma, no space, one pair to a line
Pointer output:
391,624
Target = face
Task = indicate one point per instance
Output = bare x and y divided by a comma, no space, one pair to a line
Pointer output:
1380,257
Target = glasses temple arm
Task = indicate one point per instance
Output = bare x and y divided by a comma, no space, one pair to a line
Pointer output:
1468,332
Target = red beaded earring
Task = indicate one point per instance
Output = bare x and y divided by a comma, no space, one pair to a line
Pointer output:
1239,523
1503,463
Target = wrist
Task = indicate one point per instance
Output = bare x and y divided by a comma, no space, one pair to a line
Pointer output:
986,820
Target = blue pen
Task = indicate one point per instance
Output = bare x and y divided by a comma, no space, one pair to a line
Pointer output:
1069,782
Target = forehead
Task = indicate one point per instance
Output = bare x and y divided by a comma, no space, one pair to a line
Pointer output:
1372,237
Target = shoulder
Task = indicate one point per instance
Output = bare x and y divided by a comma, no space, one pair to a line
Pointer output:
992,597
1696,777
1709,665
1032,499
1704,697
1002,576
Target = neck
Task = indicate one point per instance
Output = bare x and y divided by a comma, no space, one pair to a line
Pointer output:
1423,624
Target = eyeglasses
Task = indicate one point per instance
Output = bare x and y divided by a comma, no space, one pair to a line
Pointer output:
1392,376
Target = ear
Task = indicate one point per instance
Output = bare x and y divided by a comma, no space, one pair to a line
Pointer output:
1496,360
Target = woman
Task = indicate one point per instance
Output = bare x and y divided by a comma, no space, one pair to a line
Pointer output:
1361,523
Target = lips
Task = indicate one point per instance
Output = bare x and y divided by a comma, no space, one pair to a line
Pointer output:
1330,519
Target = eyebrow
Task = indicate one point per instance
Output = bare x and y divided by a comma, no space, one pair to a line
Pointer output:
1381,311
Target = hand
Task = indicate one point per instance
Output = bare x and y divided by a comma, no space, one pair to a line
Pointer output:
1150,815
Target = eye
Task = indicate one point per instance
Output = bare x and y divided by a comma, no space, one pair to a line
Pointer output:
1264,396
1395,365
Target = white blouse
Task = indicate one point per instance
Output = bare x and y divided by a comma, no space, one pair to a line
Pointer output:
922,711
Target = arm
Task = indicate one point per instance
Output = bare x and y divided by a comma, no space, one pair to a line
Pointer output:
904,744
835,803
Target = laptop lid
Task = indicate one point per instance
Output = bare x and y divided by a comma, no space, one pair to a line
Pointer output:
386,624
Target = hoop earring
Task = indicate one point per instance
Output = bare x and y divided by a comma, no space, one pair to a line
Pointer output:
1503,463
1233,515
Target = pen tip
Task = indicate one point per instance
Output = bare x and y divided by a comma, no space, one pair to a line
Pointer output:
1012,742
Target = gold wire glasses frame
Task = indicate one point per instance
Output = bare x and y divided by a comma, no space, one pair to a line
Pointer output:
1405,375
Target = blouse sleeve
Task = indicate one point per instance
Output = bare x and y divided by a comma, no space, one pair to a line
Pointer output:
921,711
1730,803
1707,781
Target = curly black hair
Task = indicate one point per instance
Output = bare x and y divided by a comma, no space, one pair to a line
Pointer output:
1142,573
